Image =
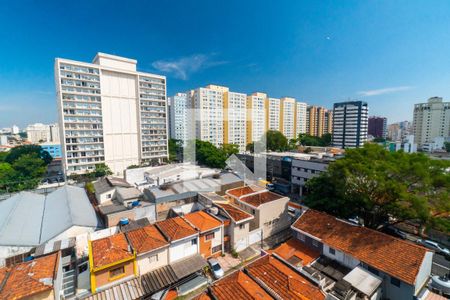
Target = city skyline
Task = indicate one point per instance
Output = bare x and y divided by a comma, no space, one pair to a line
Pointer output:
318,53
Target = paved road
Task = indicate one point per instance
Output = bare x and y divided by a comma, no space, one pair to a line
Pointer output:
441,265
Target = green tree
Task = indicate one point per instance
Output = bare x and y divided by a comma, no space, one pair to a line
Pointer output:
250,147
326,139
384,187
174,148
8,177
102,170
447,146
17,152
309,140
29,166
213,157
275,141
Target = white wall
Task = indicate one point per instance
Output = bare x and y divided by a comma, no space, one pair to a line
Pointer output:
120,115
183,249
424,272
341,257
145,265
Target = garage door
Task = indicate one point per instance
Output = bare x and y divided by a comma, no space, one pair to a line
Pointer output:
255,237
241,244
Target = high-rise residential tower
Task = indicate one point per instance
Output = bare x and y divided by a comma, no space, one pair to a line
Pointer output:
300,112
350,122
288,117
328,122
178,110
256,116
319,120
235,119
431,120
377,127
273,114
110,113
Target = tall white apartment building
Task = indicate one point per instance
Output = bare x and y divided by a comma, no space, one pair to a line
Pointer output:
178,110
431,120
350,124
208,105
256,116
300,112
37,133
235,119
288,116
110,113
273,114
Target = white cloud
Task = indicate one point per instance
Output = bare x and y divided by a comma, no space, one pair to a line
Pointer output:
183,67
383,91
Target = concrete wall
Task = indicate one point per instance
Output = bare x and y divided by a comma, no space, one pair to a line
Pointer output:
207,245
341,257
106,196
424,271
103,279
183,249
238,234
145,265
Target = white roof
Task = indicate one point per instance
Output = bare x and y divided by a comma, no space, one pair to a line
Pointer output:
30,219
362,280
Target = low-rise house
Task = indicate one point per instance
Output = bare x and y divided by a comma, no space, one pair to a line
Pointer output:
171,195
183,238
238,285
403,267
151,248
29,219
270,210
40,278
105,188
281,281
236,226
111,261
210,232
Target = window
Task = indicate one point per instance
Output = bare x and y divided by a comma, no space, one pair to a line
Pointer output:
395,281
209,236
216,249
315,243
108,196
116,272
331,251
193,242
153,258
241,226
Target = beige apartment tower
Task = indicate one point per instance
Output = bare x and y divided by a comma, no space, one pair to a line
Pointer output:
110,113
431,120
319,121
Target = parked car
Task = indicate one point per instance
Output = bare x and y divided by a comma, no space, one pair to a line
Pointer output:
394,232
434,246
216,269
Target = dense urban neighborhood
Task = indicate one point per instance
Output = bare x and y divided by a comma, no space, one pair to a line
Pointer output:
257,167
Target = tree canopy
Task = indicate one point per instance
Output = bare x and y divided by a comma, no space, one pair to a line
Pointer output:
175,147
310,140
17,152
383,187
213,157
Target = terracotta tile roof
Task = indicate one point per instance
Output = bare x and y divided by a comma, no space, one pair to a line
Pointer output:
261,198
29,278
241,191
110,249
203,221
234,212
284,281
202,296
176,228
294,249
238,286
374,248
295,205
146,239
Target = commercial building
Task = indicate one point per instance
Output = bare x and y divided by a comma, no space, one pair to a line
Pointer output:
305,169
377,127
431,120
288,117
110,113
234,121
178,110
256,116
350,122
53,149
38,133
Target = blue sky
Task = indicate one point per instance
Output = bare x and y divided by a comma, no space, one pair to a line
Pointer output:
390,53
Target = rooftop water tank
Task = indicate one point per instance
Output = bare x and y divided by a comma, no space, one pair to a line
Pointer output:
124,221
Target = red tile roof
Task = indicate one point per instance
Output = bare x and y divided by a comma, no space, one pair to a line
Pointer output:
146,239
374,248
203,221
234,212
29,278
176,228
202,296
241,191
293,248
261,198
110,250
238,286
284,281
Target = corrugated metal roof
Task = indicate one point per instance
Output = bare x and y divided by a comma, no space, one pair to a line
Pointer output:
29,219
54,246
129,290
158,279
